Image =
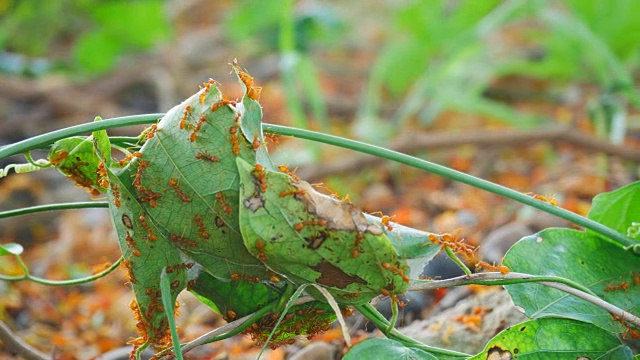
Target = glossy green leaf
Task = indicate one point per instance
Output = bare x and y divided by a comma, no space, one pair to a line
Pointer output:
605,269
619,210
383,349
554,338
11,249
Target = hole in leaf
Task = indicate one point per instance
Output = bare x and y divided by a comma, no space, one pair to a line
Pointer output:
496,353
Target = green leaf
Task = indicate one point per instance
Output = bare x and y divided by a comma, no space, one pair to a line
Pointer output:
76,158
380,348
187,181
237,298
234,298
175,206
583,258
618,209
553,338
11,249
398,78
102,144
311,238
250,18
147,251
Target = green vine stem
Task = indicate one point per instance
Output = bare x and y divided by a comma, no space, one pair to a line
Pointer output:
617,238
41,141
54,207
457,260
383,325
35,163
124,141
496,278
614,236
394,315
39,280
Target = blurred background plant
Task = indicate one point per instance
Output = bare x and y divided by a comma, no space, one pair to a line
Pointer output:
85,36
465,83
423,58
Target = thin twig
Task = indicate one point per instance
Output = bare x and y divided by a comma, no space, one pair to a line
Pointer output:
15,345
457,260
500,279
410,143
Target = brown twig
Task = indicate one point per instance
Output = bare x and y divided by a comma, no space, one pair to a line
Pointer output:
15,345
410,143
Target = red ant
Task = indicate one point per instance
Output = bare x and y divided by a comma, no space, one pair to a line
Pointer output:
200,224
174,184
185,114
501,268
299,226
207,87
260,247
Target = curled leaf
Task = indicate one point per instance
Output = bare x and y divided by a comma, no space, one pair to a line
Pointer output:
76,158
312,238
11,249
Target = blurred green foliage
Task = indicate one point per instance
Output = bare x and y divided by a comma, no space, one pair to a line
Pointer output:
615,22
259,24
86,36
421,32
120,26
32,27
430,56
444,55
